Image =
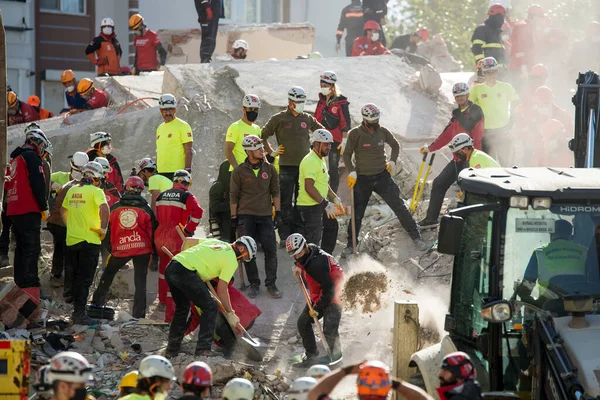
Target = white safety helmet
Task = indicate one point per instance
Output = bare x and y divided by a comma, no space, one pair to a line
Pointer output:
181,175
295,243
297,94
78,160
317,371
105,164
107,22
145,163
38,137
315,55
32,125
460,141
460,89
99,137
167,100
329,77
322,135
251,101
370,112
238,389
300,388
489,64
250,245
156,366
93,169
42,384
241,43
252,142
70,366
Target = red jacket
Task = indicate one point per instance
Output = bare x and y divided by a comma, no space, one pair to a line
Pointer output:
324,277
111,193
146,47
131,227
523,49
26,114
97,100
468,121
25,185
115,176
364,46
335,117
177,206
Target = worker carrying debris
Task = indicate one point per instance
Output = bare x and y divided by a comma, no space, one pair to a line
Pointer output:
187,275
369,44
100,146
155,378
104,51
371,172
94,98
467,117
147,44
174,139
218,208
156,183
325,280
72,96
351,21
19,111
487,40
234,151
458,378
253,192
131,237
197,381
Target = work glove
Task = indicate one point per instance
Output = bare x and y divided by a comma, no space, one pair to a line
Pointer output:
352,179
390,166
232,319
330,210
313,313
185,231
56,186
296,271
280,150
342,146
44,216
339,206
278,220
424,149
101,232
209,14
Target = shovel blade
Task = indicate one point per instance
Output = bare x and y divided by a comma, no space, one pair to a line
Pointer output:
251,349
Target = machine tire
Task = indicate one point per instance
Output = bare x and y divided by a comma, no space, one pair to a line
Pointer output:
417,379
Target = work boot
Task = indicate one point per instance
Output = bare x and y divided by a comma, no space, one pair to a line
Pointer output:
420,244
253,291
171,353
84,319
56,281
273,291
4,261
308,360
347,252
427,223
206,353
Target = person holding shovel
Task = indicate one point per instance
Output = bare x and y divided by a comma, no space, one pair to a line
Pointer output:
324,278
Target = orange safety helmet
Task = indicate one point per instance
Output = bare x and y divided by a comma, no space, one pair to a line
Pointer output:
535,10
372,25
423,33
85,86
67,76
373,379
539,71
135,22
12,99
33,100
543,95
497,9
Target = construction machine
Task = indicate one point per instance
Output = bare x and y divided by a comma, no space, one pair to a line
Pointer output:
525,296
585,144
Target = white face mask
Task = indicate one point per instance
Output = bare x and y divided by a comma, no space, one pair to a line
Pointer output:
106,150
325,91
76,175
299,107
70,88
375,36
137,33
107,30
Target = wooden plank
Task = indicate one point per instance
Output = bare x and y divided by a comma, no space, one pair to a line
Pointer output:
406,337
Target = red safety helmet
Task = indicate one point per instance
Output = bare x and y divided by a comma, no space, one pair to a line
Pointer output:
134,184
372,25
543,95
497,9
539,71
423,33
535,10
199,374
459,365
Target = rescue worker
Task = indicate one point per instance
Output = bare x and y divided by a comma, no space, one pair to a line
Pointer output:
70,373
292,129
27,208
538,76
60,178
462,148
369,43
410,41
72,96
155,378
147,44
373,382
325,280
174,139
218,208
524,52
254,189
234,151
238,389
131,236
58,229
351,21
197,381
110,190
104,51
128,383
42,384
94,98
209,12
240,49
300,387
496,99
376,10
467,117
458,378
100,146
186,276
332,112
174,207
545,105
372,172
318,371
85,213
34,102
487,40
317,203
19,112
156,183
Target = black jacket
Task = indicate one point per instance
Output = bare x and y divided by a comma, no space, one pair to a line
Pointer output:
403,43
487,40
351,20
375,9
316,264
470,390
216,6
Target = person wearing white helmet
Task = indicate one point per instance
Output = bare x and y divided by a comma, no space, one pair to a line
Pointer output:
209,12
69,374
240,49
85,213
468,118
105,50
292,129
156,376
238,389
101,146
300,387
42,384
318,371
462,147
156,183
325,279
333,113
317,203
174,139
372,171
58,229
234,151
186,275
253,193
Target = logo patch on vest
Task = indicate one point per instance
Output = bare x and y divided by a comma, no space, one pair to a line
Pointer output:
265,175
128,219
303,125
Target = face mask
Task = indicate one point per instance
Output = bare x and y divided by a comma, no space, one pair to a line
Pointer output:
375,36
12,111
251,115
137,33
76,175
107,30
80,394
70,88
299,107
373,125
325,91
106,149
461,156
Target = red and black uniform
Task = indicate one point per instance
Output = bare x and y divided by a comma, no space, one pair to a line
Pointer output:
363,46
353,22
376,10
107,55
324,278
487,40
470,121
146,47
112,193
25,113
26,199
114,176
97,100
131,227
173,207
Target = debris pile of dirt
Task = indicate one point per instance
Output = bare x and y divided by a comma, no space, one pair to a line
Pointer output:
364,290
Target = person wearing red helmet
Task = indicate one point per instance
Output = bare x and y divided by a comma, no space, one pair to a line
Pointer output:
487,40
458,378
131,227
524,50
410,41
369,44
197,381
376,10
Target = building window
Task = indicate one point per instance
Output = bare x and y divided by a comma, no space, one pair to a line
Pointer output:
63,6
247,11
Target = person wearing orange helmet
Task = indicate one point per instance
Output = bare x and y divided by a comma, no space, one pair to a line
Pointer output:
458,378
369,44
373,382
524,50
410,41
104,51
147,44
487,40
94,98
351,21
35,102
19,112
74,99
